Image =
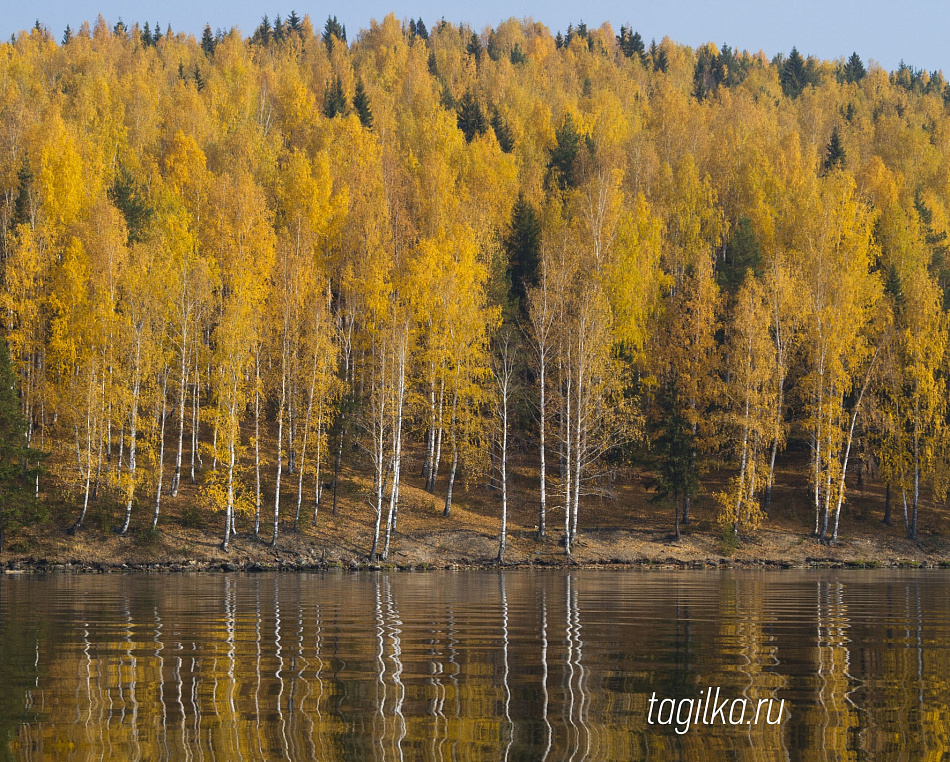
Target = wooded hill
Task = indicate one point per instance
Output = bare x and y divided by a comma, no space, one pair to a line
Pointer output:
441,239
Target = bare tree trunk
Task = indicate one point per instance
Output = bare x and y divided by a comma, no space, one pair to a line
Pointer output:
195,417
229,511
280,445
451,485
502,540
133,430
397,440
161,453
771,478
257,445
542,513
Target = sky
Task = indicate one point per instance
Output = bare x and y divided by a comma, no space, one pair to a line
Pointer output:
915,31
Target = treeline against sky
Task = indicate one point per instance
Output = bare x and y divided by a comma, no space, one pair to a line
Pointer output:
233,259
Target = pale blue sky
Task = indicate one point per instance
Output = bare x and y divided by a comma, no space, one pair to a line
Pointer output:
917,31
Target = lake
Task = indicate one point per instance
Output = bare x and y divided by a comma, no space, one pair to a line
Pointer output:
520,664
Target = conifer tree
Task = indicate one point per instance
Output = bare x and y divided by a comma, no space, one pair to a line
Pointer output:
471,118
334,100
293,22
793,74
474,47
523,248
361,105
208,42
854,70
506,140
18,461
567,142
333,30
677,477
834,153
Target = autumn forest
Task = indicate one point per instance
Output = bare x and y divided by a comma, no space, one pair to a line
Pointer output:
239,265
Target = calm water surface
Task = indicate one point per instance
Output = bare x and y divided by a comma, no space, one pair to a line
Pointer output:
472,665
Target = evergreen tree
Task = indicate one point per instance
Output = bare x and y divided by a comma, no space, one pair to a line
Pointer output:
361,106
471,118
559,41
503,134
131,199
854,70
834,152
474,47
18,461
631,44
493,48
147,35
293,22
68,34
333,30
421,30
523,249
793,75
677,477
334,99
262,34
24,210
566,147
742,254
156,34
207,41
517,55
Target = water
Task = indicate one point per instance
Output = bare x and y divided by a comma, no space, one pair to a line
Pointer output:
472,665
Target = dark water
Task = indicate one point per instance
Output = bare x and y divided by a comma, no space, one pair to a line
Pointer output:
473,665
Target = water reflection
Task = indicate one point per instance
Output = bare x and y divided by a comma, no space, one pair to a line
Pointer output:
480,665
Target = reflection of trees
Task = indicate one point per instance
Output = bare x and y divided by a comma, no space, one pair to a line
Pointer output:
528,665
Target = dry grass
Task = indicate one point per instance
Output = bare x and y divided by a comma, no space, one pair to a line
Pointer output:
621,524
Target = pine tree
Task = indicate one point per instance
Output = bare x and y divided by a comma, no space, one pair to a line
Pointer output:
503,134
262,34
793,75
293,22
471,118
854,70
18,469
334,100
333,30
677,477
207,41
834,152
68,34
566,147
474,47
523,248
361,106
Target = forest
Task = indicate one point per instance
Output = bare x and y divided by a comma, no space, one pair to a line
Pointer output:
237,265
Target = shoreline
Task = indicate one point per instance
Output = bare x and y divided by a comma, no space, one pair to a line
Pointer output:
188,551
43,567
